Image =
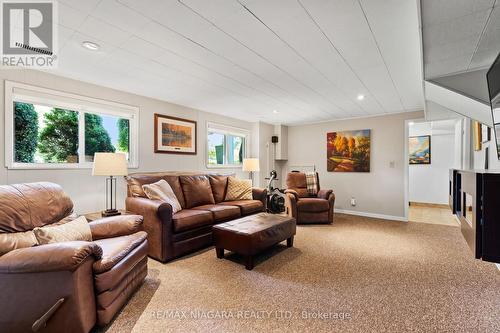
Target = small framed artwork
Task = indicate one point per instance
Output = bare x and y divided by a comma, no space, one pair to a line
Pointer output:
485,133
419,149
174,135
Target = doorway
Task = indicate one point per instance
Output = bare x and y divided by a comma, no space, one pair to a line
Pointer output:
433,148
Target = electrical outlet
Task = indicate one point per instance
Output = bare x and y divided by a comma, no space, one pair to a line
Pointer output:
353,201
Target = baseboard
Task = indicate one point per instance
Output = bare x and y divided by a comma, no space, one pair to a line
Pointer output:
376,216
426,204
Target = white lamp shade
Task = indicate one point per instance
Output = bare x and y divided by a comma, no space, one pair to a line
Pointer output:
110,164
251,164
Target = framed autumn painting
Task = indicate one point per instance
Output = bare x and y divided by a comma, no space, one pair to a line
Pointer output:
174,135
348,151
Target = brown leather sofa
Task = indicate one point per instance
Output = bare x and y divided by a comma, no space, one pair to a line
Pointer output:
305,208
202,199
67,286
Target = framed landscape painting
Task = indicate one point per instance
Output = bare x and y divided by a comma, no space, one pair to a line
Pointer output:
348,151
174,135
419,149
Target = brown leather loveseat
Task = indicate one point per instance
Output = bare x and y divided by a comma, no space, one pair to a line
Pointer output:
306,208
202,199
67,286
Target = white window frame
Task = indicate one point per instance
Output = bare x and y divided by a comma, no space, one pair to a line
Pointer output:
224,129
15,91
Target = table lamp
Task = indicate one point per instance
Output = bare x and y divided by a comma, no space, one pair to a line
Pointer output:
251,165
110,164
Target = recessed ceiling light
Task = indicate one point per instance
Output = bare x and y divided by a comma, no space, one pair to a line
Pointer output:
275,111
91,46
361,97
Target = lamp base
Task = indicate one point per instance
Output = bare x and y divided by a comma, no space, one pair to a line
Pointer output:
110,212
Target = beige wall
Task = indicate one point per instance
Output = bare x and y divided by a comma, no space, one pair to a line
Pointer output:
87,191
379,192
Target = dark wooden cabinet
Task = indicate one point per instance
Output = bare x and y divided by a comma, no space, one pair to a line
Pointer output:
475,199
453,187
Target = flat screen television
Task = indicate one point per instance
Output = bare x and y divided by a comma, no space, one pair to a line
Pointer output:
493,78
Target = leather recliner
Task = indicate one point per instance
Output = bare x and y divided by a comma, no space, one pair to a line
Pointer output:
68,286
307,209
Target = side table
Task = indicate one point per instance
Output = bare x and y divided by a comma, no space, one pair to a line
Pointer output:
98,215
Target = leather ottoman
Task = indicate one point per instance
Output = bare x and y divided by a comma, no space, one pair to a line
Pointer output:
250,235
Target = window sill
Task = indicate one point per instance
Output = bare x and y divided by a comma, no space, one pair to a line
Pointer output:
211,166
55,166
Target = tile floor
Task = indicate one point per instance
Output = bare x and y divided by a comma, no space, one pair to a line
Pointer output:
432,215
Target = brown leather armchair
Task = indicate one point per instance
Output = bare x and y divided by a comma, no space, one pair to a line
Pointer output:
67,286
305,208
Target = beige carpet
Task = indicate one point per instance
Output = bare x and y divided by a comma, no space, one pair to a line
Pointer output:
379,276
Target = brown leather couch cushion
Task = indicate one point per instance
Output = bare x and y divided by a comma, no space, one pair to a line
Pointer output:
313,205
115,249
221,212
246,206
188,219
26,206
109,302
219,187
314,217
17,240
135,182
120,256
65,256
197,191
296,180
115,226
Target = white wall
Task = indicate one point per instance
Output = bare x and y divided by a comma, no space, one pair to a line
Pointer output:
379,192
87,191
428,183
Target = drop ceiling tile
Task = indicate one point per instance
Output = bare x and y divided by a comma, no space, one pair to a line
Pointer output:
361,54
99,29
170,13
341,20
65,35
469,26
69,17
84,6
83,54
447,66
463,47
121,16
438,11
485,58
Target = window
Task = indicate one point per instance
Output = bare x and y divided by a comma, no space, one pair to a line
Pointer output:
49,129
226,146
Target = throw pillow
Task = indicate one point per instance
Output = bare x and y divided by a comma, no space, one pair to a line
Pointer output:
239,189
76,230
197,190
161,190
